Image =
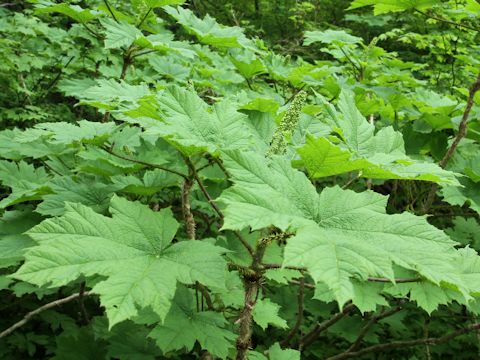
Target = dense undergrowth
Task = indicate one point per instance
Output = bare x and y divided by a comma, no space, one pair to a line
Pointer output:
175,187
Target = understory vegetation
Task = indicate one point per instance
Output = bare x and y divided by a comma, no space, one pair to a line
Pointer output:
247,179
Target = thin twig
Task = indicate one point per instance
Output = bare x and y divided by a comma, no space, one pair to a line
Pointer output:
55,79
296,327
81,297
295,94
144,17
320,327
376,318
110,10
216,208
144,163
37,311
203,188
143,53
446,21
462,132
97,36
409,343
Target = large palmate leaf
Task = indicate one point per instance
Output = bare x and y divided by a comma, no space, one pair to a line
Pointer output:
341,234
379,156
207,30
266,193
132,249
196,127
184,325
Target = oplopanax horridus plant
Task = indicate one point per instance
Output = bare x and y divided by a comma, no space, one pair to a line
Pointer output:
176,189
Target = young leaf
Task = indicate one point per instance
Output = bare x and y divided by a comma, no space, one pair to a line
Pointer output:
265,313
277,353
184,325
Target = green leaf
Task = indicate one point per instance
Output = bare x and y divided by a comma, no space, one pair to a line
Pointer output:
27,183
277,353
190,122
247,64
366,295
184,325
159,3
468,194
152,182
132,250
385,6
85,131
65,189
378,156
12,241
265,313
266,193
110,93
322,158
355,237
119,34
338,37
207,30
351,238
169,68
136,346
73,11
465,231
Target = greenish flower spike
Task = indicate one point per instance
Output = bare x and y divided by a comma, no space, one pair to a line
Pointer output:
287,125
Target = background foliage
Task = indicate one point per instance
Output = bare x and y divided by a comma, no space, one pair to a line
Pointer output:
245,180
